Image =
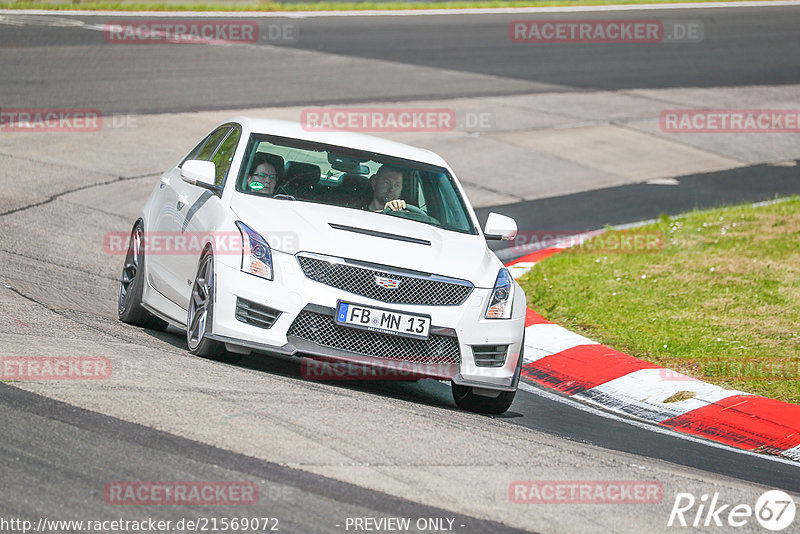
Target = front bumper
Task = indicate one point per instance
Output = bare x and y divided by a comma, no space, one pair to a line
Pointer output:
454,329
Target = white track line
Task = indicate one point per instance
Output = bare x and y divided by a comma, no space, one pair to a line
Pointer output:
547,339
408,12
642,394
793,453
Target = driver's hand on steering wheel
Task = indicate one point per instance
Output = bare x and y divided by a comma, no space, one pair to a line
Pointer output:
395,205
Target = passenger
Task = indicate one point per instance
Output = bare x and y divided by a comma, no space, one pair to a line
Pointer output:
386,186
263,179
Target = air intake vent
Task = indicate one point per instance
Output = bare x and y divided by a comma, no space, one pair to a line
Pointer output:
321,329
255,314
490,355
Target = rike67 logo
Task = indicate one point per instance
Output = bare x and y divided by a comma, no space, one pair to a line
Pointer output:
774,510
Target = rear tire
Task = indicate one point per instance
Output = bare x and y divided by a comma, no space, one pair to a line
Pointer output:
201,314
131,285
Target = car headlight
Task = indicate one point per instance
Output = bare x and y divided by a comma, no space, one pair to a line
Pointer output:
256,253
501,299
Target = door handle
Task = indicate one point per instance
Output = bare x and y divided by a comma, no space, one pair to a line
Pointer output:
182,200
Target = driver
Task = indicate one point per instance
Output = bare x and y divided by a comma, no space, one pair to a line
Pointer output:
263,179
386,185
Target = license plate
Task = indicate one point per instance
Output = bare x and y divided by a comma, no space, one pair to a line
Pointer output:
383,321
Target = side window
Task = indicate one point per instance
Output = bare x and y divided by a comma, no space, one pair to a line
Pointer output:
451,198
422,203
224,156
193,153
209,143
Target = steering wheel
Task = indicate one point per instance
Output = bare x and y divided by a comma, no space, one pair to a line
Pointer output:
409,207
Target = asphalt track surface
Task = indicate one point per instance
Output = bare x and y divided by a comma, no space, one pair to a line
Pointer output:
67,452
64,453
68,66
633,203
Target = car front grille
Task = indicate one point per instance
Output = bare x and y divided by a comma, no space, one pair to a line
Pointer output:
423,289
321,329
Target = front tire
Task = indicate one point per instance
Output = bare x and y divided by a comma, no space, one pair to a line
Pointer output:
131,285
201,314
467,400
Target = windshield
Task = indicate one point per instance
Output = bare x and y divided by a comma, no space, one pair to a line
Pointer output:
303,171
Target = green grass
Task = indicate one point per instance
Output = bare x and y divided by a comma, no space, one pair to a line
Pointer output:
719,301
268,5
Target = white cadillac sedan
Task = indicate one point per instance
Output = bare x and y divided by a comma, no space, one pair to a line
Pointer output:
333,246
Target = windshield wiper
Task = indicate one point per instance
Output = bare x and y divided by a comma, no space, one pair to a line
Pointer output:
284,197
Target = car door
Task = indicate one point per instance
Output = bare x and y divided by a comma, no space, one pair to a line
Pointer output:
200,211
168,219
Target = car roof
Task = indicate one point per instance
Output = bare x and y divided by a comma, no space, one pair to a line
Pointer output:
358,141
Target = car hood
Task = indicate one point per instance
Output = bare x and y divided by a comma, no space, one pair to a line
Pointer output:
292,227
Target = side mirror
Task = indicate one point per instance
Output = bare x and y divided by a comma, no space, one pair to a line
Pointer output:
200,173
499,227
